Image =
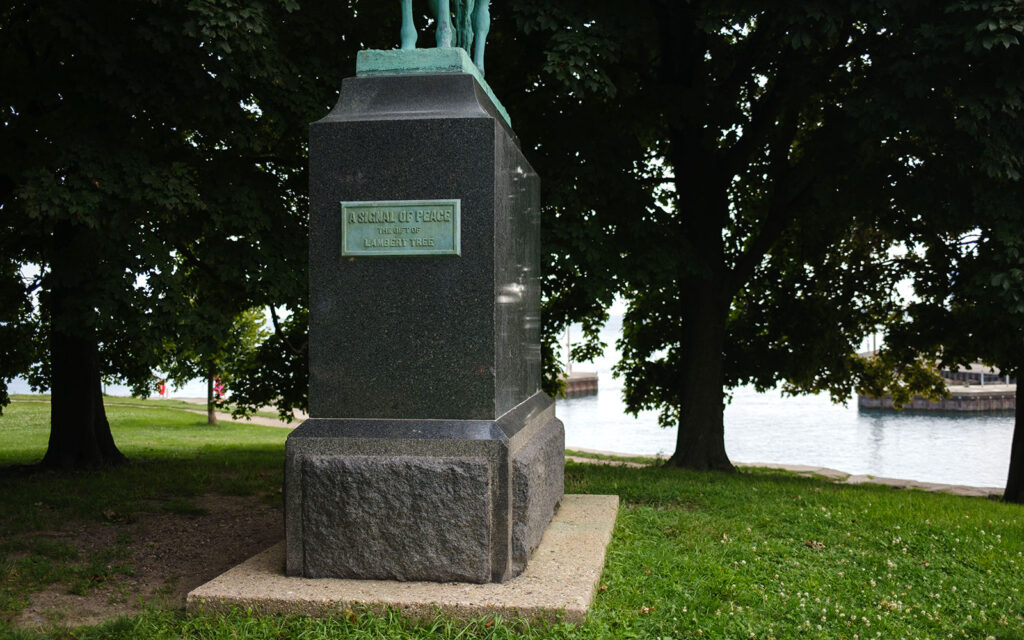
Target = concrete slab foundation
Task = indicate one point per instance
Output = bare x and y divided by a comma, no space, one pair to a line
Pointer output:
558,584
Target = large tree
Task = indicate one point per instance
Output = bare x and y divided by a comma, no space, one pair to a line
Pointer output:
153,156
968,276
738,174
741,174
971,306
215,354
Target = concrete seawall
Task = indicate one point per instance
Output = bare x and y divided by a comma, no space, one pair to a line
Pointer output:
993,397
581,383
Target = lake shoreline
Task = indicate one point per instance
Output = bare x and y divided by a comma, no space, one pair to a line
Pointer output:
834,475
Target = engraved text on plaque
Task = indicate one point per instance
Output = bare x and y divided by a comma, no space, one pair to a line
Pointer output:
400,228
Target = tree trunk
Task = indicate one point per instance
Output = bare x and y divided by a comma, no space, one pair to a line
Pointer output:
1015,480
702,205
700,441
704,300
211,403
79,432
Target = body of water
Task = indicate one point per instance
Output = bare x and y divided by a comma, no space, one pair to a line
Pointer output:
970,449
954,449
193,389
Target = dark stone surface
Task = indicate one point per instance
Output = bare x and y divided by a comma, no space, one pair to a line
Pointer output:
384,430
418,97
516,277
449,337
347,498
538,483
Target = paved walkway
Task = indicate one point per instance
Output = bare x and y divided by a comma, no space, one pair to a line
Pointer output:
266,422
261,420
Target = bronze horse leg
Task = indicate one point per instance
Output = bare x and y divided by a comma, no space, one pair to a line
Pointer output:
472,22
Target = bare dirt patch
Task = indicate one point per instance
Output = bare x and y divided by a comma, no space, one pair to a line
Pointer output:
169,555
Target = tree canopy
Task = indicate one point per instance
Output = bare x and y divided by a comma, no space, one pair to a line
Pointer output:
749,179
153,167
747,173
968,270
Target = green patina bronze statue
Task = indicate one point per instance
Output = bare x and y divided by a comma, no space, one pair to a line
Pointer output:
472,21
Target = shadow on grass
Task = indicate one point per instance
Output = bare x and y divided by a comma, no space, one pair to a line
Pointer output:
33,498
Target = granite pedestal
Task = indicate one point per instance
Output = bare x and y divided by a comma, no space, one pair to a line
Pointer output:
430,452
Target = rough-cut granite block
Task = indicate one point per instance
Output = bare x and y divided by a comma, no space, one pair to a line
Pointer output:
347,499
538,482
343,453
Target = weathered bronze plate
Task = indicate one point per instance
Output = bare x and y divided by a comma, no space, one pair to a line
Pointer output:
401,228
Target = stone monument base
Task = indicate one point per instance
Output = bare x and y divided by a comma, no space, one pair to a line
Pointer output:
431,453
558,584
441,500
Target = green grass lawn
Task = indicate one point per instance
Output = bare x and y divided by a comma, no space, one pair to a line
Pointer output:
757,554
153,403
650,460
173,454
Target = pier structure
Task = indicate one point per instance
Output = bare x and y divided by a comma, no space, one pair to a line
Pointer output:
580,383
963,398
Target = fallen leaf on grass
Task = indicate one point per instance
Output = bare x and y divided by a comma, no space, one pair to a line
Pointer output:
118,518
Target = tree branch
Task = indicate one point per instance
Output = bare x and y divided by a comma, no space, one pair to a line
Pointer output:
692,149
763,117
194,260
656,181
6,188
284,338
781,211
789,87
37,282
753,48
